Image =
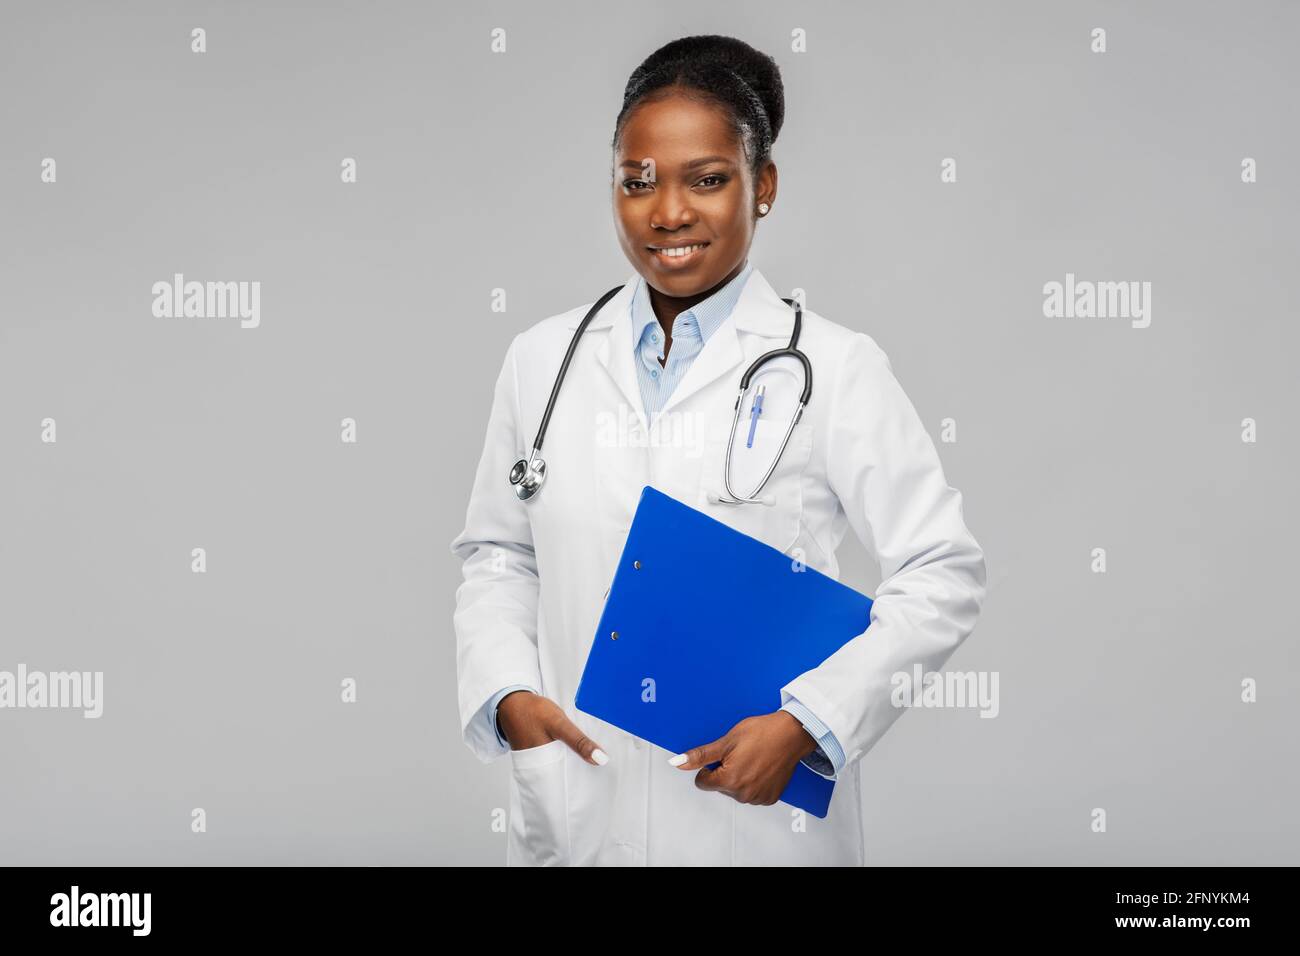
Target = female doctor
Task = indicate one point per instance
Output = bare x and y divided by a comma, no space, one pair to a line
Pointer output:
647,398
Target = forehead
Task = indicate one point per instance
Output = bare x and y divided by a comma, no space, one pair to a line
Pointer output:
677,129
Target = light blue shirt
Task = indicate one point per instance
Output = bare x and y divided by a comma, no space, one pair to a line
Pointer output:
691,332
692,329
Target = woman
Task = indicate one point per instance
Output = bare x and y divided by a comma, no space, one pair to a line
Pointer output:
693,175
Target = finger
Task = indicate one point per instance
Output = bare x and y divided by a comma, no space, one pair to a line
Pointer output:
716,780
579,742
702,756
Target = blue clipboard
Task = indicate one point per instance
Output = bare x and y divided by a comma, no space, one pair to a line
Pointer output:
710,625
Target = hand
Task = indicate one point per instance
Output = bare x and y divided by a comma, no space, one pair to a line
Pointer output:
531,720
758,757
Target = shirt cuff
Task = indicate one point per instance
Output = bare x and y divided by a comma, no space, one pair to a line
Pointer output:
828,759
492,709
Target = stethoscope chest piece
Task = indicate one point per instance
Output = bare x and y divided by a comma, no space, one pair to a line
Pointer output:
527,477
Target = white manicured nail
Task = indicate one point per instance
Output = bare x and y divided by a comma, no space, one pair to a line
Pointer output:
600,757
678,760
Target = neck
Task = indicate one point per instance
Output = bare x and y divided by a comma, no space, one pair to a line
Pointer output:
668,307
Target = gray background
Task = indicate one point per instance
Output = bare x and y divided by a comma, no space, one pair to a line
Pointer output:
480,171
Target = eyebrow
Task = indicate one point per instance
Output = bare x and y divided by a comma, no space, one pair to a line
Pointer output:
635,164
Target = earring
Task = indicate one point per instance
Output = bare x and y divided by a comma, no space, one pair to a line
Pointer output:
763,208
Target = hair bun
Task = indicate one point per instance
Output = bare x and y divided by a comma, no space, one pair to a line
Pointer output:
758,70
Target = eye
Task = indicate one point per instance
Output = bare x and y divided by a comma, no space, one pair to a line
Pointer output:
720,179
627,183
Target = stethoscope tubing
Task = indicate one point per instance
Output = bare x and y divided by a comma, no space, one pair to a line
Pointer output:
564,366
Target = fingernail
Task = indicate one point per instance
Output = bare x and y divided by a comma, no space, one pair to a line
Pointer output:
678,760
600,757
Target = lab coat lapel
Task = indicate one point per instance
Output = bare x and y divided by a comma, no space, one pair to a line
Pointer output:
619,469
615,351
759,309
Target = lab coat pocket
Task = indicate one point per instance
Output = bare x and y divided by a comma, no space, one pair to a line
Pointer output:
775,519
539,812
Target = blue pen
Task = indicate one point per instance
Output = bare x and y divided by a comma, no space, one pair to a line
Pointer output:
754,413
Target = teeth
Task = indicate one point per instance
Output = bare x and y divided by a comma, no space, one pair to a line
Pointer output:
683,251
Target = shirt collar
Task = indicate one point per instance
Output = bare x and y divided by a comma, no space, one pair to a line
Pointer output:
708,315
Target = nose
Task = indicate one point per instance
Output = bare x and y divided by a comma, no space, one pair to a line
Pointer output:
672,208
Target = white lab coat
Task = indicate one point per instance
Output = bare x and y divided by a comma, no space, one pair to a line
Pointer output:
536,572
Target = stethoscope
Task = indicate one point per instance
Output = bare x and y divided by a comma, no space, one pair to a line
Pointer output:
528,474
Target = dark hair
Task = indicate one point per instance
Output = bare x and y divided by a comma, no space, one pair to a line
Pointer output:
720,69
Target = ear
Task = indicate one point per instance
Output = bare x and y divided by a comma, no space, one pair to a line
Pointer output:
765,185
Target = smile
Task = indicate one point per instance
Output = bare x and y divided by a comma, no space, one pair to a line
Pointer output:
681,256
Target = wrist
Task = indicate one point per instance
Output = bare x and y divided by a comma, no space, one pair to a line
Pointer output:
514,693
505,707
804,742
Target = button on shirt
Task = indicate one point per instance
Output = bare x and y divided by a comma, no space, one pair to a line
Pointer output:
692,330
